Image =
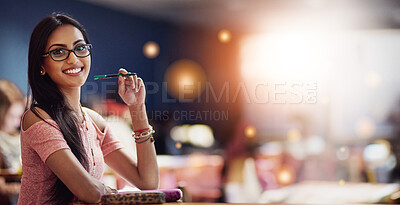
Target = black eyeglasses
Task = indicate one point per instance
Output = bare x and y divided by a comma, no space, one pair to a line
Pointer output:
60,54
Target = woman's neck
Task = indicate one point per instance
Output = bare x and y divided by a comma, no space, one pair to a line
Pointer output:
73,98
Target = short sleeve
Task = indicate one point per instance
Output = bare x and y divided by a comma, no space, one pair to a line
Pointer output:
110,142
45,139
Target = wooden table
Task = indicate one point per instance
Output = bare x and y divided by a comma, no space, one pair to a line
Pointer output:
11,177
202,203
194,203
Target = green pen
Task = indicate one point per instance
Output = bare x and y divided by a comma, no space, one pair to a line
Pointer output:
97,77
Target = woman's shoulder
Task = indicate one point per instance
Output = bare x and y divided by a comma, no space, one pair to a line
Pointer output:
31,118
97,118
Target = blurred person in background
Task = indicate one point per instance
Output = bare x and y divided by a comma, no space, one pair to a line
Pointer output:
11,109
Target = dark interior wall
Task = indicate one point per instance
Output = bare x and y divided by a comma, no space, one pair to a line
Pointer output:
117,40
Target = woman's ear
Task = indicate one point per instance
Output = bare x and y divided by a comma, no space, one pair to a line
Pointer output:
42,71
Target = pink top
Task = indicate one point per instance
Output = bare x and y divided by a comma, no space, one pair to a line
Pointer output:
40,140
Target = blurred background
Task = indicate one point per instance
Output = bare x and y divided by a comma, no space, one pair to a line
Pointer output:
252,100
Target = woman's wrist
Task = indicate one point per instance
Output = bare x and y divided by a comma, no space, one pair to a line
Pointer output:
137,107
139,116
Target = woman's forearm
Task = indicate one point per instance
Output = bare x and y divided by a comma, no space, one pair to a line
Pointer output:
146,153
139,116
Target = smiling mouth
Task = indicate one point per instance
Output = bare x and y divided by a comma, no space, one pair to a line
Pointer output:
73,71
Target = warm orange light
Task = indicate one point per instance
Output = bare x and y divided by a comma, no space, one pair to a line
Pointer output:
178,145
185,80
342,182
285,175
250,131
151,49
224,36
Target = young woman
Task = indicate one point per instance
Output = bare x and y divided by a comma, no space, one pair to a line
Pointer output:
64,146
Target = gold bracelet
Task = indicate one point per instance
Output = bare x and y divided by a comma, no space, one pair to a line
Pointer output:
143,134
150,137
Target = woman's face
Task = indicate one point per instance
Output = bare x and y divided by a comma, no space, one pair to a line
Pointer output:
73,71
12,118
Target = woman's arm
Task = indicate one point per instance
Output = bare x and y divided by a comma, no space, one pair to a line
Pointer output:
144,174
68,169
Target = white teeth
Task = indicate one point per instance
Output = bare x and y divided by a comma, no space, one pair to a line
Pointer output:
72,71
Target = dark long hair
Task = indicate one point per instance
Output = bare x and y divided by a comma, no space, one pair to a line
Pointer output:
47,96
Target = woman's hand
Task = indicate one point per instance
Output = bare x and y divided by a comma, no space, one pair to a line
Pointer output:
131,89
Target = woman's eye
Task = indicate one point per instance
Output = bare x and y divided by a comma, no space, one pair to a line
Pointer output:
58,52
80,48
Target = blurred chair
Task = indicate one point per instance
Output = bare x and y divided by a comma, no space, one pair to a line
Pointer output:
202,177
199,175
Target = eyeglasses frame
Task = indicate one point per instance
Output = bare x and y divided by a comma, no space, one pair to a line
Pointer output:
88,46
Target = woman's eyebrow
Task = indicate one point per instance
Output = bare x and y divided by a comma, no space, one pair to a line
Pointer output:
77,41
62,45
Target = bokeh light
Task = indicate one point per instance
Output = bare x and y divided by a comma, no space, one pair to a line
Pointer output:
315,145
384,143
250,131
342,182
179,133
377,153
293,135
279,56
342,153
151,49
185,80
201,135
285,175
224,36
198,135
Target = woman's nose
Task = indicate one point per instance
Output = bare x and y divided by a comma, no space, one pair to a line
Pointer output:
72,58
